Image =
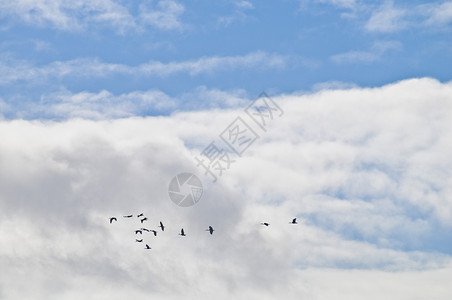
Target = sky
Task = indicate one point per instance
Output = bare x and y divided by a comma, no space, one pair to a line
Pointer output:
103,102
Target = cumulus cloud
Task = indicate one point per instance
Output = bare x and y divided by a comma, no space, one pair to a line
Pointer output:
366,171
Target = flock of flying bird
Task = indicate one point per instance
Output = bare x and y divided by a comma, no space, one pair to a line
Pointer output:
162,227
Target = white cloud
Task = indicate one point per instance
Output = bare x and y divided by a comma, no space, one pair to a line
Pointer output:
389,16
100,105
389,19
244,4
440,14
375,53
356,57
166,17
386,19
239,13
340,3
348,4
334,85
14,70
81,14
367,171
214,63
204,98
65,104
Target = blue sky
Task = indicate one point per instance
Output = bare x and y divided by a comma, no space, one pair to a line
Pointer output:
242,46
103,102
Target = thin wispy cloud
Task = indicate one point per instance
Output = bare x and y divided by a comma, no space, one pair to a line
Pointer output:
375,53
209,64
244,4
386,19
440,14
14,70
239,13
343,4
82,15
166,16
390,17
339,3
334,85
102,105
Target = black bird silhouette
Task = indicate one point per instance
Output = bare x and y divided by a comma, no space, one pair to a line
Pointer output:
144,229
265,223
211,230
144,219
155,232
129,216
161,226
140,215
147,247
113,219
139,241
182,233
294,221
138,232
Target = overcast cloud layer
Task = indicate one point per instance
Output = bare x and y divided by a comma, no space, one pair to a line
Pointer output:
367,171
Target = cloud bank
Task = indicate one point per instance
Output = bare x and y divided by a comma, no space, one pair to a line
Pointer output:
366,171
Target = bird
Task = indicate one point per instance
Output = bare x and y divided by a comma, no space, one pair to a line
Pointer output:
161,226
155,232
113,219
294,221
140,215
144,219
129,216
138,232
139,241
182,233
144,229
147,247
265,223
211,230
